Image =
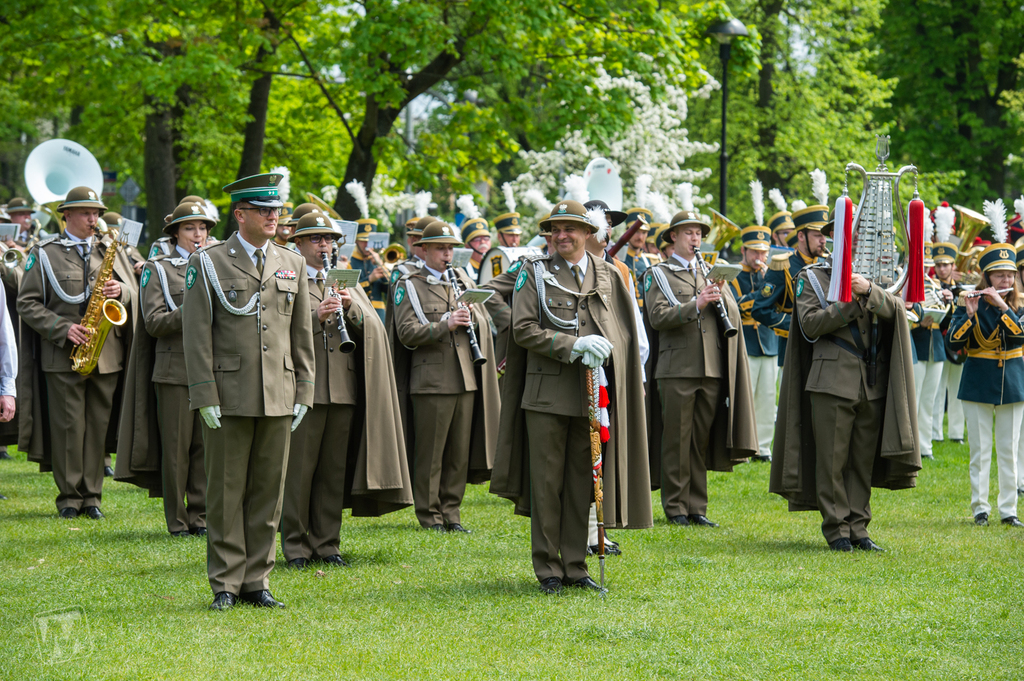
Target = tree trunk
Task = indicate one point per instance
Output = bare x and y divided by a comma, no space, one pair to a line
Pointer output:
362,164
255,127
767,130
160,170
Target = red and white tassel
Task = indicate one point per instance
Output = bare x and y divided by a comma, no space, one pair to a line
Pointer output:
603,403
840,289
914,291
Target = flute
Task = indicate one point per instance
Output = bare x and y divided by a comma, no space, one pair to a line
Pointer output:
978,294
347,344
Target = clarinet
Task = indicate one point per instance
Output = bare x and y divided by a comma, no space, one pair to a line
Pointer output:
725,325
474,345
347,344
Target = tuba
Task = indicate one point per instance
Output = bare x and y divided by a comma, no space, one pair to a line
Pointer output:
392,255
969,224
877,253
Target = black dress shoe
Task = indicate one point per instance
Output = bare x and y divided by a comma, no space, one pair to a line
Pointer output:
842,544
437,528
2,497
223,601
981,519
609,550
335,560
261,599
299,563
551,585
1012,521
957,441
866,544
4,455
700,520
68,513
678,520
198,531
587,583
93,513
456,527
767,458
1020,493
927,456
180,533
108,472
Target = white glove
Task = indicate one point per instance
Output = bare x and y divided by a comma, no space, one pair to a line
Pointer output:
597,346
211,416
298,412
591,360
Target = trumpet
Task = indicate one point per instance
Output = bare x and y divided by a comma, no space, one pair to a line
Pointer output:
474,344
725,324
13,258
347,344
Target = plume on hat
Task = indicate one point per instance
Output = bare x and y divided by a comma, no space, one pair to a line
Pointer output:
929,227
421,204
358,192
684,192
776,197
1018,205
995,211
536,198
798,205
944,219
659,207
641,187
819,186
577,188
597,218
467,206
757,198
284,185
510,197
211,210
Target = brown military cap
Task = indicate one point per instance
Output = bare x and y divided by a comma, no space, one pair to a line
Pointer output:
82,197
188,212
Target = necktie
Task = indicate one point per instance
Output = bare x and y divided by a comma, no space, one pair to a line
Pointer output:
259,262
578,276
320,281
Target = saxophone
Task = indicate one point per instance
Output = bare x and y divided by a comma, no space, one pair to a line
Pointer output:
101,314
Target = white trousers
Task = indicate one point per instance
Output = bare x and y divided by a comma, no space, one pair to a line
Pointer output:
939,409
951,382
762,383
1020,459
926,381
979,435
592,533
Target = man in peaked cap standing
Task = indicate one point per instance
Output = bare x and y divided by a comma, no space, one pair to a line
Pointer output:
373,277
477,238
509,231
249,357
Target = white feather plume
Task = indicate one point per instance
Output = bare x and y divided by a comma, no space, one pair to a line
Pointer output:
659,207
577,188
929,227
211,210
778,199
944,219
1018,205
421,204
510,197
995,211
684,192
358,192
798,205
641,187
757,198
819,186
284,185
536,198
467,206
597,218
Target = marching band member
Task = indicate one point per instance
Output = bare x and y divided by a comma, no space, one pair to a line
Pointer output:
507,224
706,406
170,465
781,223
636,258
842,426
570,306
20,212
477,238
373,276
989,326
944,254
334,442
452,428
76,409
1020,443
762,344
250,366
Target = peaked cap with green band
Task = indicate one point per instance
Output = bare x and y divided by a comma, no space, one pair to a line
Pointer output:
187,212
82,197
781,220
471,229
811,217
682,219
365,227
312,223
633,214
259,190
438,232
18,205
569,211
508,223
301,211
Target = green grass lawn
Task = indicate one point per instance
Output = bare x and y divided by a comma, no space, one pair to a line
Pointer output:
759,598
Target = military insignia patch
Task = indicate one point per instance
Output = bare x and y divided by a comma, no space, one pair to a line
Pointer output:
399,295
154,250
767,290
190,276
145,277
495,265
30,262
284,274
647,282
799,288
395,275
521,280
515,267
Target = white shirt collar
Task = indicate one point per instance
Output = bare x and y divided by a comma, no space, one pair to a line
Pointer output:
72,237
251,250
182,252
584,261
311,272
688,264
439,275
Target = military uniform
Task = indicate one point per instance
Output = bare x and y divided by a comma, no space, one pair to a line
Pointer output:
471,229
930,350
52,298
635,259
953,367
376,291
248,352
773,305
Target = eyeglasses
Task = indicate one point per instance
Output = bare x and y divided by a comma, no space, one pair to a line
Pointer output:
264,212
317,238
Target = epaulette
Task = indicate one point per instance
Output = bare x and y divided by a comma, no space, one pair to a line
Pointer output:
779,263
207,247
538,258
48,240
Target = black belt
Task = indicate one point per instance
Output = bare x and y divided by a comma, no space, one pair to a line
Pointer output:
859,353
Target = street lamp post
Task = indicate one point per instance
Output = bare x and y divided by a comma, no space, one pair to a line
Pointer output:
724,33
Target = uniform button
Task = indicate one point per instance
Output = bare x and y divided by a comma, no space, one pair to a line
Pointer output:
263,288
264,307
583,323
264,348
330,349
583,306
456,345
264,327
330,335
